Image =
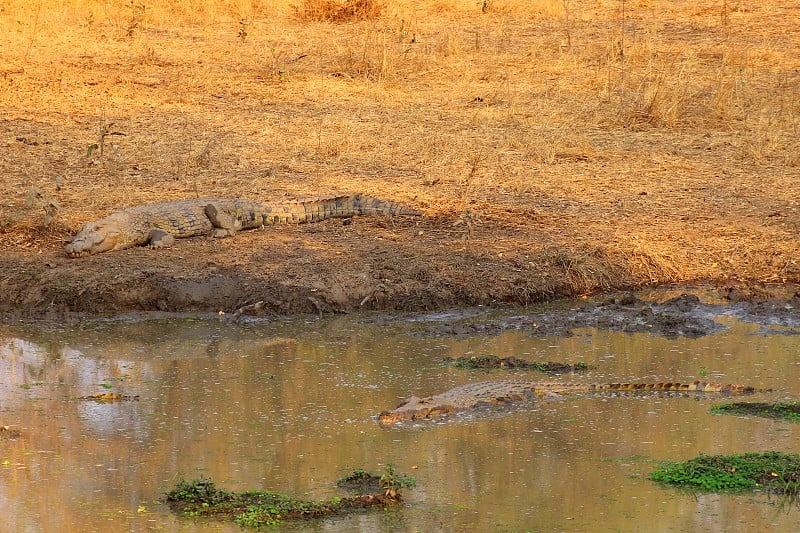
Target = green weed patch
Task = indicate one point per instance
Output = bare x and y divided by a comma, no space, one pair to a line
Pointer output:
255,508
779,410
774,472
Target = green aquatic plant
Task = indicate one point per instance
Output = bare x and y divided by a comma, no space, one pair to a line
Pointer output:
779,410
256,508
392,481
770,471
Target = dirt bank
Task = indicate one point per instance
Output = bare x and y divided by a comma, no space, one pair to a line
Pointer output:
327,267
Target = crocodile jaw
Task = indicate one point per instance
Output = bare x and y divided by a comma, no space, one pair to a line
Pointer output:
413,409
93,238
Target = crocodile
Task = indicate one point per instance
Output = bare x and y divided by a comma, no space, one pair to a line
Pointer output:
107,397
8,433
498,392
158,225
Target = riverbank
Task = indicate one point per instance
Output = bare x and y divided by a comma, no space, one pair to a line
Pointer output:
541,169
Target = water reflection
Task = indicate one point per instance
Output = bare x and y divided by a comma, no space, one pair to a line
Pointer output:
287,405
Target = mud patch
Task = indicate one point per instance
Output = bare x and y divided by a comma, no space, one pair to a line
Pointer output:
360,482
682,316
766,309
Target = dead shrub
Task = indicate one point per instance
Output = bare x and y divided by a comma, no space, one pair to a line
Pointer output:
339,11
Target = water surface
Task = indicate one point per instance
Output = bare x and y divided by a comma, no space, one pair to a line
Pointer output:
288,405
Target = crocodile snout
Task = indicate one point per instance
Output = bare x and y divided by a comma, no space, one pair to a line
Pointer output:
91,239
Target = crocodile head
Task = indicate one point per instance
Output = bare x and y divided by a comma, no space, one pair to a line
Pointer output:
414,408
93,238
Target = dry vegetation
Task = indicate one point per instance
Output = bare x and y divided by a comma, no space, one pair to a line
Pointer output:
343,11
601,141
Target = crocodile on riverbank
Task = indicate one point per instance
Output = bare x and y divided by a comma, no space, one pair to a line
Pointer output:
484,393
157,225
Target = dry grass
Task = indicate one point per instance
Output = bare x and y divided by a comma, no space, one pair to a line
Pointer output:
666,140
339,11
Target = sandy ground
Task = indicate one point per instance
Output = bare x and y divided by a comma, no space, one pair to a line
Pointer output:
553,153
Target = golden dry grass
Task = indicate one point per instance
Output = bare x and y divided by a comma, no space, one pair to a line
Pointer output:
339,11
662,142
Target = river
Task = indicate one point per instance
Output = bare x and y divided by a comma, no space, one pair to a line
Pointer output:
288,404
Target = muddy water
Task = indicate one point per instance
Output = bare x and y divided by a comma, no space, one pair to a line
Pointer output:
287,405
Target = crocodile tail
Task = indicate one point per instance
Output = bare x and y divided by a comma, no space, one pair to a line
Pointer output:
698,386
705,386
363,204
324,207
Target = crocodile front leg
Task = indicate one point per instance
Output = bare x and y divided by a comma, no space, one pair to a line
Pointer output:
224,224
158,238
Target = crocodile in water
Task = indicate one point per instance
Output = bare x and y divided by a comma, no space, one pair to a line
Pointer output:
157,225
484,393
107,397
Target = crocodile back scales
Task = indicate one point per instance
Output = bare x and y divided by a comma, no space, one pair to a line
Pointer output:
187,218
474,395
